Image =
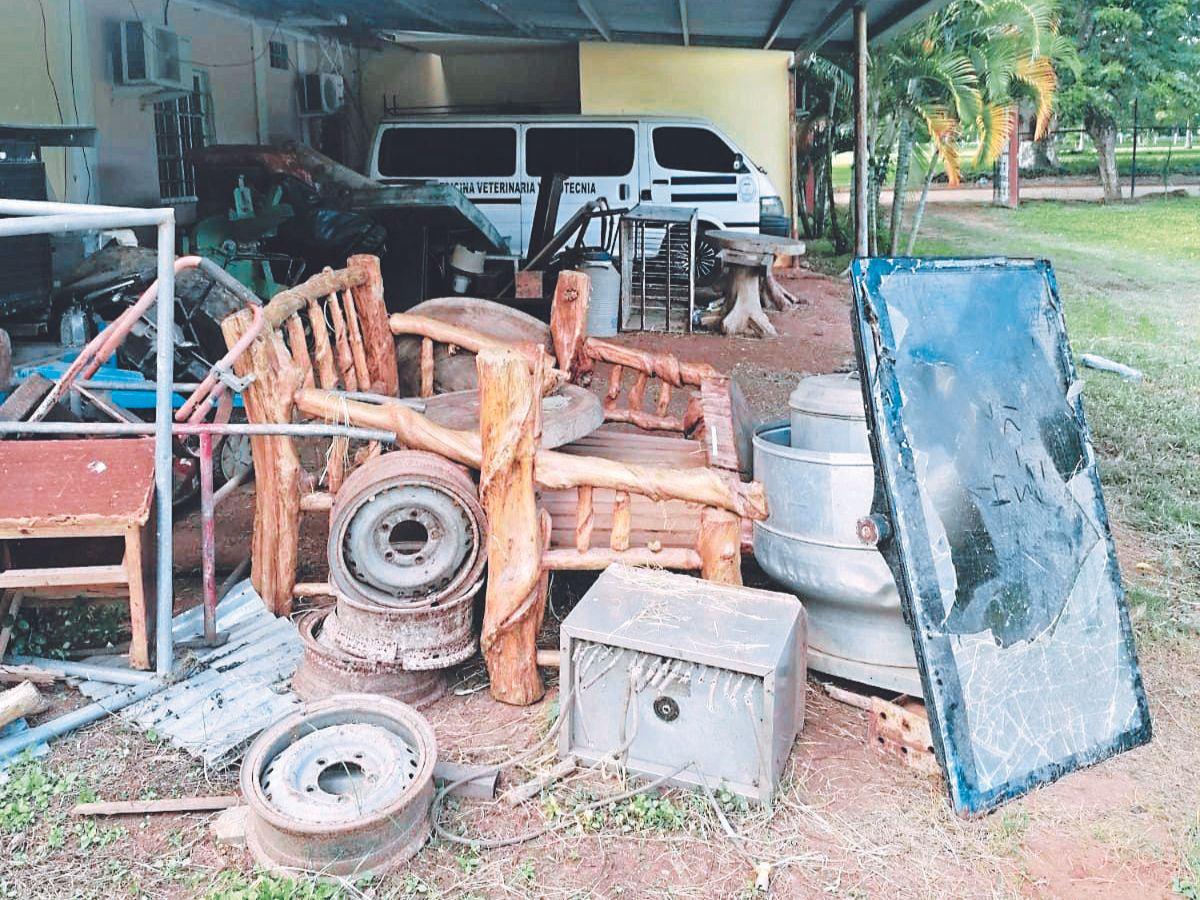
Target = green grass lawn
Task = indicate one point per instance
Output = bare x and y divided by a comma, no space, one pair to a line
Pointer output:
1151,160
1128,276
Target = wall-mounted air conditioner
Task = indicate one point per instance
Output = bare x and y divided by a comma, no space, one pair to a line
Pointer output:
154,56
322,93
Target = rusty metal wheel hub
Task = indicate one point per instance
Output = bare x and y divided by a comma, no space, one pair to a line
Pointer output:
343,786
421,638
325,669
340,773
407,529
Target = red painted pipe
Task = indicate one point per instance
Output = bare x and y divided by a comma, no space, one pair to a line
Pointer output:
208,538
197,406
103,345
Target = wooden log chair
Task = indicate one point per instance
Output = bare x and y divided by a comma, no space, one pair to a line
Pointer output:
671,501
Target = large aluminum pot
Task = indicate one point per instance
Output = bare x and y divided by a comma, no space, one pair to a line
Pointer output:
819,478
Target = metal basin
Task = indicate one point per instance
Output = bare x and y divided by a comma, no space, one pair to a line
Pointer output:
809,544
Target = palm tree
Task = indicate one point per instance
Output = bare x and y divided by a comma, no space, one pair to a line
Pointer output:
973,63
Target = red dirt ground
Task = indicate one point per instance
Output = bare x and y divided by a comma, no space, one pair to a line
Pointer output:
851,822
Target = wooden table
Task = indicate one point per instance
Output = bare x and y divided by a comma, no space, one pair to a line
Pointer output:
748,259
82,489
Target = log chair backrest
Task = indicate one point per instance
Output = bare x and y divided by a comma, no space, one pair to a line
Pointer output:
332,332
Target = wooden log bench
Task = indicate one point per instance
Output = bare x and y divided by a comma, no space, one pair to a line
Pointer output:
675,501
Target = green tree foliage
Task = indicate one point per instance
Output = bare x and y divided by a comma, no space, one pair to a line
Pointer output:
1144,49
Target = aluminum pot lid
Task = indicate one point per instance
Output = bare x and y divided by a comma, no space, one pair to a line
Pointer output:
829,395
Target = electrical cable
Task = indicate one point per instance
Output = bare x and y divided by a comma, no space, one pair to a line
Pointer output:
53,86
207,65
87,197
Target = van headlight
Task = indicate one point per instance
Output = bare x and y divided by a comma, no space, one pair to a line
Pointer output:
770,207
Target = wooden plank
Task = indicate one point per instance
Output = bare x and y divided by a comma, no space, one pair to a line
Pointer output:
10,674
67,576
146,807
91,482
25,398
902,731
141,609
602,557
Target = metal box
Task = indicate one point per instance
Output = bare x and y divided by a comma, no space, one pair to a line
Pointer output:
658,268
663,671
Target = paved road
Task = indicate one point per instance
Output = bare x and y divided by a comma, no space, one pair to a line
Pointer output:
1029,191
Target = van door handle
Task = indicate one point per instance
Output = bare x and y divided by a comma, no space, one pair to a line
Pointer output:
623,191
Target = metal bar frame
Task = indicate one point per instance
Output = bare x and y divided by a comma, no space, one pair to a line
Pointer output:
36,217
43,217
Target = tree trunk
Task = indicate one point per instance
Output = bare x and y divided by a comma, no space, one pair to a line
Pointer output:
509,431
1104,136
920,213
903,158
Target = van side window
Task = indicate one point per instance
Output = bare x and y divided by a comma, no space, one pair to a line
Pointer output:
579,151
443,152
692,149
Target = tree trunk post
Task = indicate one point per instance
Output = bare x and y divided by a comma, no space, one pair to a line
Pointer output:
275,543
1104,136
900,185
510,430
568,323
861,197
720,546
921,204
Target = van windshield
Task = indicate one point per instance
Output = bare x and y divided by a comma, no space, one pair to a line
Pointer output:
447,152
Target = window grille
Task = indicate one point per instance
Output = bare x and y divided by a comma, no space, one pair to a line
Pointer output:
182,124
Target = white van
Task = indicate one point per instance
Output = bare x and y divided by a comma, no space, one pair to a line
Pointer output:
497,162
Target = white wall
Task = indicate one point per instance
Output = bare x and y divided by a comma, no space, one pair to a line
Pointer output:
252,102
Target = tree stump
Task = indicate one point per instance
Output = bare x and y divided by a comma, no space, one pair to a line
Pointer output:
509,431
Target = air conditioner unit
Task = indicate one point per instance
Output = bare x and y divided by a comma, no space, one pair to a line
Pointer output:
322,93
154,56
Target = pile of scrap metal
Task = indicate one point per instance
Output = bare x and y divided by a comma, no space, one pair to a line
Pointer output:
1028,671
295,210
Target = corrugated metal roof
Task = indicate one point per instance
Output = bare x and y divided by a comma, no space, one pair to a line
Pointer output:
231,692
802,25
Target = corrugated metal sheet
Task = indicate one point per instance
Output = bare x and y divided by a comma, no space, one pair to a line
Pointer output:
801,24
231,692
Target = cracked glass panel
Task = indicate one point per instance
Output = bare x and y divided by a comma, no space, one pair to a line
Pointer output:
1000,540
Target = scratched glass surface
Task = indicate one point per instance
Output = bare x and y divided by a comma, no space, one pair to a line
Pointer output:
1000,520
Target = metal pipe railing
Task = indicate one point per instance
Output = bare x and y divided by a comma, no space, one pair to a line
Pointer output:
297,430
41,217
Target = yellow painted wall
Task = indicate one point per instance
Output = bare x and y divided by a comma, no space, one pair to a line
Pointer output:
26,93
745,93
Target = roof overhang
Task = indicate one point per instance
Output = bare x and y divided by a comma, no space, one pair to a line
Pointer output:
801,26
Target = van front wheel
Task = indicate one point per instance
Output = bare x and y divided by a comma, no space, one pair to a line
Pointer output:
708,261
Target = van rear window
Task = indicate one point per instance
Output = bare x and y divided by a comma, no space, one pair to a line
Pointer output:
692,150
447,152
579,151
